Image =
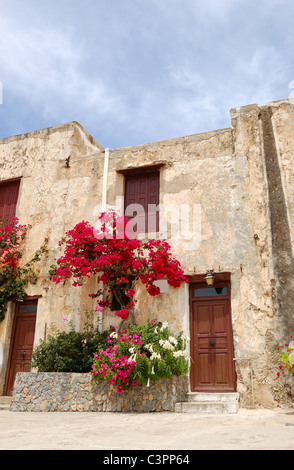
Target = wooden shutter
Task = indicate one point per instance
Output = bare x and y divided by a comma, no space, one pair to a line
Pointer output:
143,189
8,199
153,201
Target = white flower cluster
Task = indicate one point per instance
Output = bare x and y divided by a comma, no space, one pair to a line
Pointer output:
155,355
173,340
133,356
164,325
113,334
184,337
180,353
149,347
166,344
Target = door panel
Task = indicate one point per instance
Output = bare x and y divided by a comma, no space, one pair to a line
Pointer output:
212,365
22,342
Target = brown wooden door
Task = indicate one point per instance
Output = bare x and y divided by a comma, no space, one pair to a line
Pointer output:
212,364
22,342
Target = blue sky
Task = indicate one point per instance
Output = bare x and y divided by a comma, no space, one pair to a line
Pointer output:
138,71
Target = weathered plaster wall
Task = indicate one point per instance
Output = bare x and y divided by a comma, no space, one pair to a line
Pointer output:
278,125
225,174
60,170
188,163
266,323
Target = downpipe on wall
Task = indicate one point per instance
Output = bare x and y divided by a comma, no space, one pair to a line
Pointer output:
104,204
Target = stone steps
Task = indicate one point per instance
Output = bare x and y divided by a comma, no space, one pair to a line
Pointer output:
5,402
209,403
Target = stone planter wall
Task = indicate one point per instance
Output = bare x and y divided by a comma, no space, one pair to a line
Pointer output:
50,391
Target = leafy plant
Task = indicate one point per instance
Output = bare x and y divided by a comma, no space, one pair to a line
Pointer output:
68,351
287,357
14,276
140,354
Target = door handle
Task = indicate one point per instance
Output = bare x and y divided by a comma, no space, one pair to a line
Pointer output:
212,343
23,355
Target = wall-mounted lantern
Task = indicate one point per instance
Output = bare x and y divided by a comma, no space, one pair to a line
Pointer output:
209,278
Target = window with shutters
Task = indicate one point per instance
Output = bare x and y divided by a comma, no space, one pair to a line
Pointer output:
141,201
8,199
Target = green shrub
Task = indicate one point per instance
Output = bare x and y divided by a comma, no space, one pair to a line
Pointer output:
70,351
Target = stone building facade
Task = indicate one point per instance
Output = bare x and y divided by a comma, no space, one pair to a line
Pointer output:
225,203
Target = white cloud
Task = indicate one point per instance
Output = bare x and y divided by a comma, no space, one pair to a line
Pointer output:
138,71
46,67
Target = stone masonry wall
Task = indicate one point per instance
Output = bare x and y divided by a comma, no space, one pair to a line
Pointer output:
50,391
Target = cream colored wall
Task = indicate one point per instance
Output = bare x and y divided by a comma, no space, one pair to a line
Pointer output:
52,198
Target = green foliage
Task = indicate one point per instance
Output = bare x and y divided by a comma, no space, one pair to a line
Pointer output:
165,355
287,357
10,285
13,276
68,351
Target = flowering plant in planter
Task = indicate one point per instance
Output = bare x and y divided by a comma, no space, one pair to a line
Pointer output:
13,275
140,354
287,357
118,259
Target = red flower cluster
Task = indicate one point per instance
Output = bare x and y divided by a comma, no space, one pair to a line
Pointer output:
123,313
116,258
11,236
287,357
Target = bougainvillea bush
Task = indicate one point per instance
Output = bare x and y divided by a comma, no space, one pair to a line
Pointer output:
13,275
287,356
118,259
140,354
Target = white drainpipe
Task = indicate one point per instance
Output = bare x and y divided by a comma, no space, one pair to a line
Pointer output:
104,203
105,174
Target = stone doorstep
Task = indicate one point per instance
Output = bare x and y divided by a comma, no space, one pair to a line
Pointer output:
209,403
5,402
212,397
